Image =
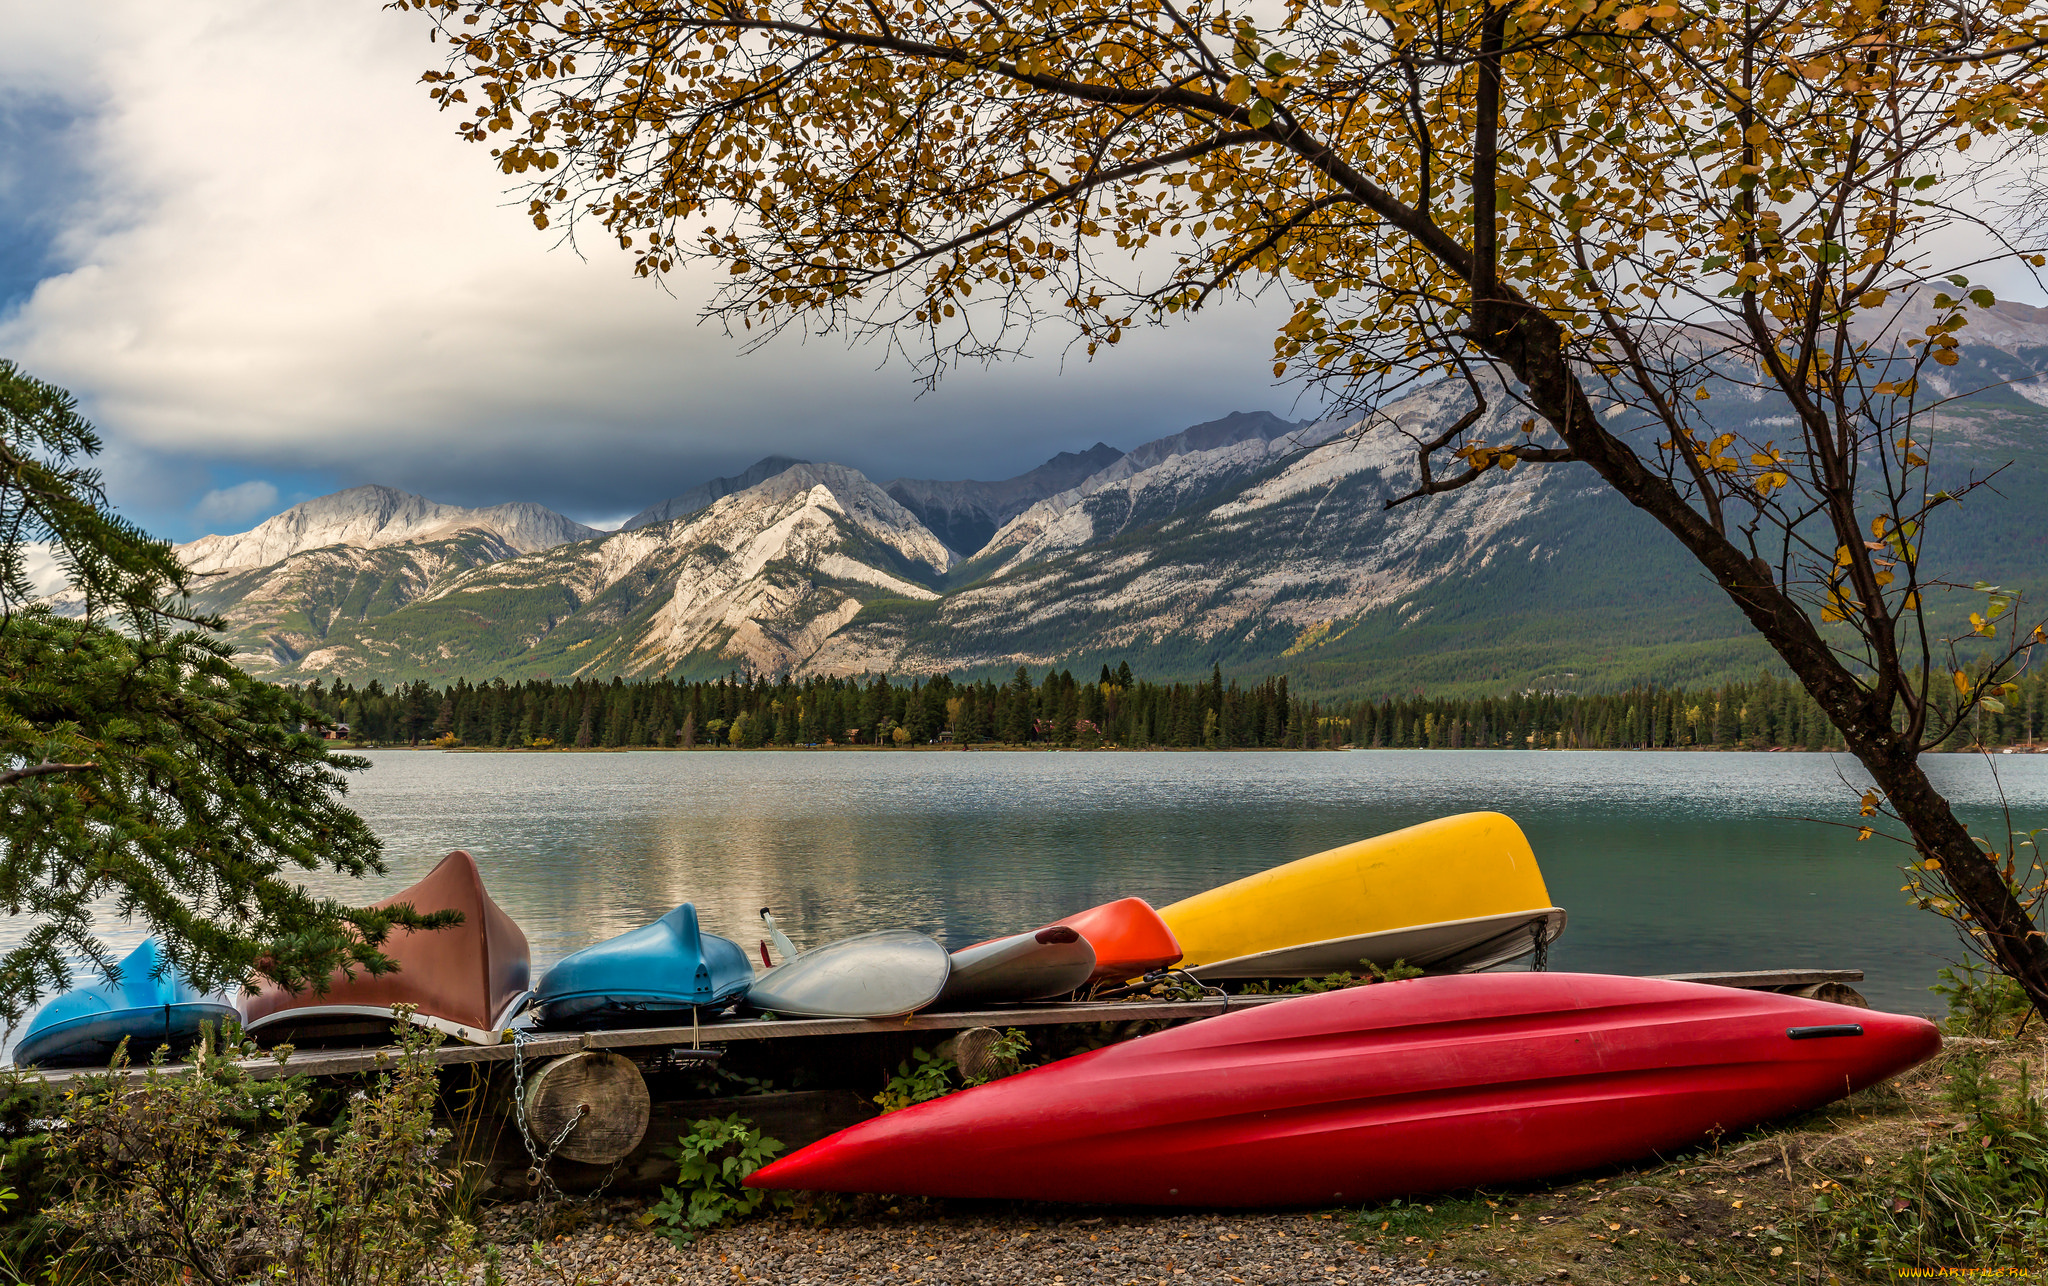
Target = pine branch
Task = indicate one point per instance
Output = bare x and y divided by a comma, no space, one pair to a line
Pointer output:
41,770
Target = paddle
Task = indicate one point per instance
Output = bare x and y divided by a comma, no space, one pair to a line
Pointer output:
782,942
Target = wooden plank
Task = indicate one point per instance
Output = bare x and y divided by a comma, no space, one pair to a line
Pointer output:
786,1028
1754,979
341,1062
352,1061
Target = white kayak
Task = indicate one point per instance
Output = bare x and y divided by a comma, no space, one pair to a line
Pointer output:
1024,966
870,975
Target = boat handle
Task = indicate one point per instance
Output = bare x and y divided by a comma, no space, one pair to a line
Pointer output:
1822,1033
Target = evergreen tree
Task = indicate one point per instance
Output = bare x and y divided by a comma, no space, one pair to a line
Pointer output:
139,767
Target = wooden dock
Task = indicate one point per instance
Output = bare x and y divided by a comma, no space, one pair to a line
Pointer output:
546,1045
615,1101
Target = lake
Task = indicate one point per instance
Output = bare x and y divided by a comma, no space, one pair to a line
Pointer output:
1666,862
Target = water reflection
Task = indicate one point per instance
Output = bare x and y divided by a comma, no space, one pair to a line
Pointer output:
1666,862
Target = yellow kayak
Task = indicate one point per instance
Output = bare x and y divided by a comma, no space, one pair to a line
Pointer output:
1457,893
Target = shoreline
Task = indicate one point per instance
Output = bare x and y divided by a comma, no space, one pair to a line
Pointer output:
996,747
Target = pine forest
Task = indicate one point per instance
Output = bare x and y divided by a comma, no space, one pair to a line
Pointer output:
1116,710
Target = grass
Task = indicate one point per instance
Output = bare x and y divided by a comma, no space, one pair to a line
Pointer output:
1777,1206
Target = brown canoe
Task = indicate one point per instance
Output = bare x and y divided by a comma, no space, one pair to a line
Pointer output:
467,980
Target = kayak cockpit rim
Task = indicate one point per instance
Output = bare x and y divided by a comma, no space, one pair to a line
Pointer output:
314,1015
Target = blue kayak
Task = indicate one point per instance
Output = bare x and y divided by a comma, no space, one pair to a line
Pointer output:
661,970
151,1006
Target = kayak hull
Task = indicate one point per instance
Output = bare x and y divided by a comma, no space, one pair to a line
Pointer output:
1129,939
1024,966
670,969
150,1007
1454,870
1458,945
1358,1095
90,1041
870,975
467,981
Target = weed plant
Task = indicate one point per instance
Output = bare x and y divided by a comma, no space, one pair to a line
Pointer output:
1974,1194
713,1161
1981,1002
222,1178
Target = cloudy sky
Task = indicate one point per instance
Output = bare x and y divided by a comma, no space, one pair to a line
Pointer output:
239,233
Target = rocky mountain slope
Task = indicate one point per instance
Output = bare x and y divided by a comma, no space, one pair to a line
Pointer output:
759,579
1250,542
965,514
374,517
699,498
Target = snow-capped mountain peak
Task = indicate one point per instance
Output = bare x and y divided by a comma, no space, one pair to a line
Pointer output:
374,516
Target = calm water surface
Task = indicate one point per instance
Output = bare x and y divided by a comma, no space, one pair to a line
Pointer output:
1665,862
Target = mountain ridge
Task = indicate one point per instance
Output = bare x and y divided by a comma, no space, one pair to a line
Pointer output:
1249,542
700,497
372,516
966,513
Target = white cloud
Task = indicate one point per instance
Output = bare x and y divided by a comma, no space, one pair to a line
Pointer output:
44,573
232,506
291,261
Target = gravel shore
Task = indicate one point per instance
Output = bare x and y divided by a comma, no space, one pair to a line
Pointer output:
967,1248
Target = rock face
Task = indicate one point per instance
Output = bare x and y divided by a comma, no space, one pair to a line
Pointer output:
1248,542
1233,547
758,580
373,517
965,514
1148,485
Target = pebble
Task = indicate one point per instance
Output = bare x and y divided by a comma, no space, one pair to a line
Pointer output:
970,1247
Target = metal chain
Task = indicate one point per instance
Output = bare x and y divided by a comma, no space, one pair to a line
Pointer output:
1539,934
519,1039
545,1192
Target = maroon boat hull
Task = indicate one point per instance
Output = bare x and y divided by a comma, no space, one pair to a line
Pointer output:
1419,1086
463,980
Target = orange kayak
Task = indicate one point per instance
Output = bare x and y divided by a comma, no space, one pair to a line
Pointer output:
1129,938
467,980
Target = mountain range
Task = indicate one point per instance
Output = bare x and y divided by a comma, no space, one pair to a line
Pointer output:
1249,542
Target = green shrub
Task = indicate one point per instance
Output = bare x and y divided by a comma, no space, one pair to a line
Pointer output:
920,1078
218,1177
1975,1196
926,1075
1981,1001
1399,971
712,1164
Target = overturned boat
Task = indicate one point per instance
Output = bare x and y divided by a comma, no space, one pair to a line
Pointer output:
467,980
151,1006
656,975
1457,893
871,975
1371,1092
1038,965
1128,937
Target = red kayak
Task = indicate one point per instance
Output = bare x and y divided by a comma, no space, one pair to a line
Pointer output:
1129,938
1420,1086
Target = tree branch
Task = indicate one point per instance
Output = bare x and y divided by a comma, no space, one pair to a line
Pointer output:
41,770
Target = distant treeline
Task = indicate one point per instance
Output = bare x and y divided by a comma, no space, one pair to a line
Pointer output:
1116,709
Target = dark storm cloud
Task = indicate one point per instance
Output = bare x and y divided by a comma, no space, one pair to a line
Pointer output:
263,295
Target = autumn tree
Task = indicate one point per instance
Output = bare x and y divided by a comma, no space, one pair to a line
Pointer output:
1592,214
142,775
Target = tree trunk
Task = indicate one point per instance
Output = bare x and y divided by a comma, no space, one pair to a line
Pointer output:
1533,348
